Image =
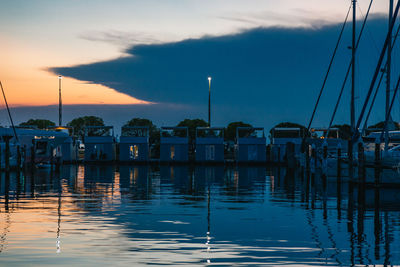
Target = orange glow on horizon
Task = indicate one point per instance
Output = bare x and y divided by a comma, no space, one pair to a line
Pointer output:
27,82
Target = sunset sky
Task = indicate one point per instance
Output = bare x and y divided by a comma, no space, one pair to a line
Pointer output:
37,37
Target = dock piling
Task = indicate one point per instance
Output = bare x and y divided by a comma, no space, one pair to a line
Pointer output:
377,153
339,158
7,152
324,168
24,157
290,155
33,154
307,151
361,163
1,160
19,160
52,158
350,159
313,158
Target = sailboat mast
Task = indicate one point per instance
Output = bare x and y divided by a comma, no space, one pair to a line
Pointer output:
353,69
353,83
389,60
388,75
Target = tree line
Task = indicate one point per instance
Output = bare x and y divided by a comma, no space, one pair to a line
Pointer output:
78,125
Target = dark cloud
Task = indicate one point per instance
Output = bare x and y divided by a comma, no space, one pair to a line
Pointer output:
264,75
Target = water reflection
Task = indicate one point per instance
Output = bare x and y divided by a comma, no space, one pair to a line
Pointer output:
195,215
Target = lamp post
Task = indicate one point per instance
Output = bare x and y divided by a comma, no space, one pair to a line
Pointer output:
209,101
59,102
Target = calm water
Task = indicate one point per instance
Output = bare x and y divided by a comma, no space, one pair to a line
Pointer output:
98,215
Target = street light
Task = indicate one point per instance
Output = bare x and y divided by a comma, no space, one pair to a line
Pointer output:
209,101
59,102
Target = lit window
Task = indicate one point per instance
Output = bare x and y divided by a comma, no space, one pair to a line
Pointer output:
136,150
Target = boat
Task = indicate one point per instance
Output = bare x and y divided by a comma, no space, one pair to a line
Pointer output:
46,144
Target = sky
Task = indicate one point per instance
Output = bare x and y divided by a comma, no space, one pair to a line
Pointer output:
154,56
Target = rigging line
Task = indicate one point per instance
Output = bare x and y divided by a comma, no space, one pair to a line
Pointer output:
356,134
372,104
348,69
369,32
379,83
329,68
9,113
390,109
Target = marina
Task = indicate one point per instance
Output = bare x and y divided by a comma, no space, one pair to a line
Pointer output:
181,215
347,148
279,174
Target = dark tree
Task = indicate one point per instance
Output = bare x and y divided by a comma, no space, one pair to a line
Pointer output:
38,123
79,124
192,125
391,125
154,132
230,132
303,129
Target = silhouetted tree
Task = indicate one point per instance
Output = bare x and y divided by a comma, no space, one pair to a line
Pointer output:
79,124
38,123
381,124
154,132
230,132
192,125
303,129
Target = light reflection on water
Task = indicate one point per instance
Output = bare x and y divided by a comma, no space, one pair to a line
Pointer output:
120,215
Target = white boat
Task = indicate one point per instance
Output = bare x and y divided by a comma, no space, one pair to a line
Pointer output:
389,158
46,144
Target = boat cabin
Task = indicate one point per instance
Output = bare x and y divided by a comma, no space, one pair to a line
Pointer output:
134,144
68,150
281,137
250,144
375,134
209,144
321,136
42,143
99,143
174,144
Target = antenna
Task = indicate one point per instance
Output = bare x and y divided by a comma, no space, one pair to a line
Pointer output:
59,102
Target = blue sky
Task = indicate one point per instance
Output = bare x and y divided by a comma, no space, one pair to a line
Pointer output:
267,58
